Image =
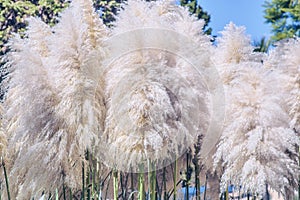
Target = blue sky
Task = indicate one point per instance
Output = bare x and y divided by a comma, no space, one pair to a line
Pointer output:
248,13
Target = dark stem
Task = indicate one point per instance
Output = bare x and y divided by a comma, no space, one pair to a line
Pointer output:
83,182
6,180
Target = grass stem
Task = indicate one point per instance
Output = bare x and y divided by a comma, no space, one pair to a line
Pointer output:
6,180
141,184
115,182
175,178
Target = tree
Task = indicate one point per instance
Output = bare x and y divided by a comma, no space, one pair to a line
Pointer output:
198,11
284,16
14,13
108,9
262,45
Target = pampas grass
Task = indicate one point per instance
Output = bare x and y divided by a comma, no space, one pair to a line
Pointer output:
257,132
138,96
54,107
285,58
151,97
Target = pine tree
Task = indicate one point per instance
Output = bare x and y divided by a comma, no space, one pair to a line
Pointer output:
14,13
284,16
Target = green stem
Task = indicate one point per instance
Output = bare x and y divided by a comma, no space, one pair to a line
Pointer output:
115,181
152,176
226,194
141,183
70,193
141,186
56,194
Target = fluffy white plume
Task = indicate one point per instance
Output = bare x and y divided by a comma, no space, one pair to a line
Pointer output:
234,46
157,101
285,58
145,93
257,144
55,105
29,109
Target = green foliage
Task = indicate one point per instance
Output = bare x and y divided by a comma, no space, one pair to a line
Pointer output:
14,13
108,9
284,16
262,45
197,10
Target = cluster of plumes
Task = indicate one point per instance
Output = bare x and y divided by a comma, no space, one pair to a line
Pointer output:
67,92
54,107
157,100
260,138
144,90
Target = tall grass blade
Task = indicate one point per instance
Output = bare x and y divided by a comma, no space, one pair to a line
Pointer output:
227,193
6,180
187,177
64,192
70,193
83,182
152,177
175,179
56,194
115,182
165,184
132,187
141,184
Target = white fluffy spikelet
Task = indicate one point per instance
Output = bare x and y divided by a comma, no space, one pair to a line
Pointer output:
293,65
285,58
75,57
256,129
234,46
157,104
55,106
257,133
76,63
29,112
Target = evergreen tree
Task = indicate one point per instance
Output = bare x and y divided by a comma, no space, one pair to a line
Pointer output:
14,13
107,9
284,16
